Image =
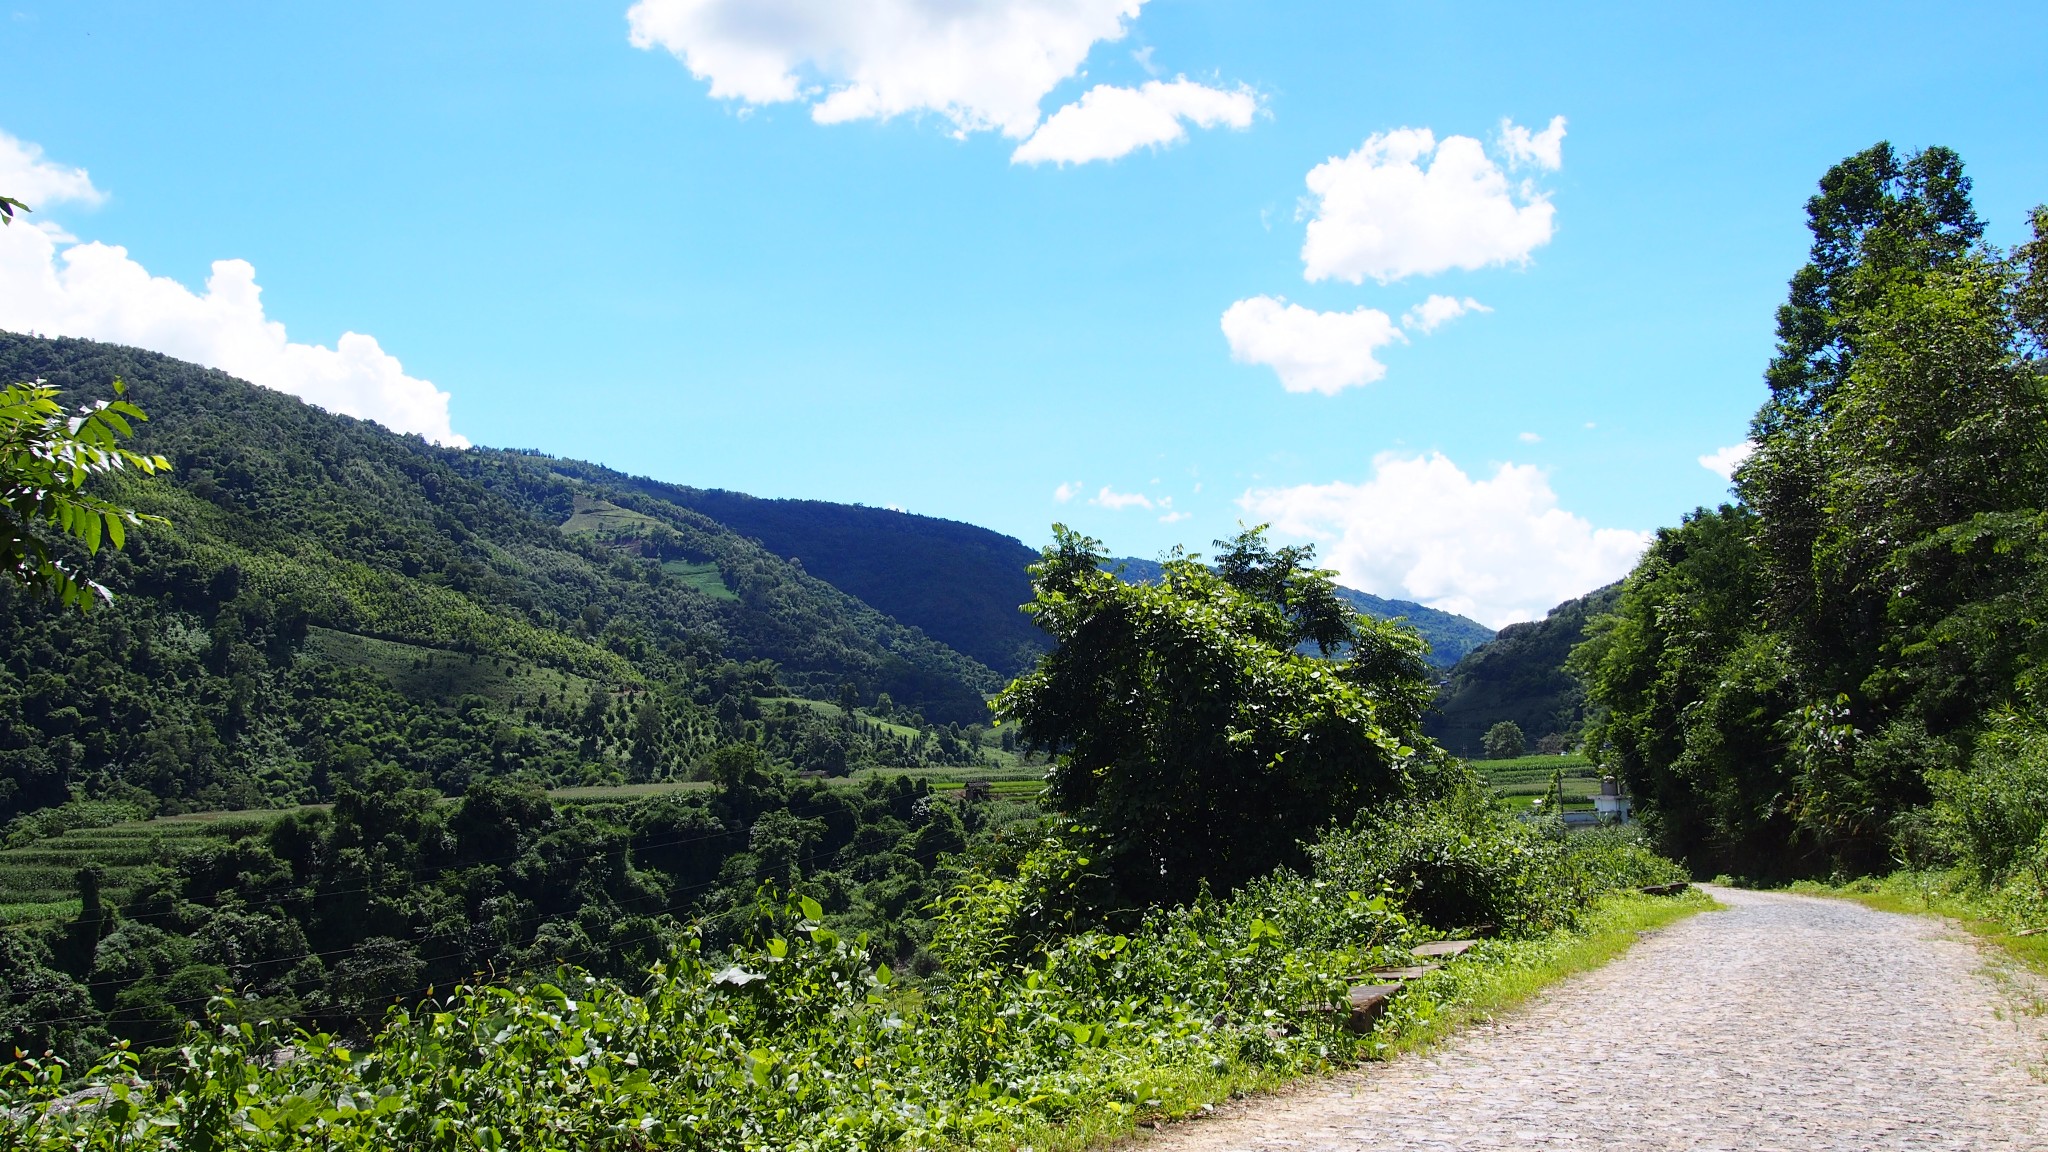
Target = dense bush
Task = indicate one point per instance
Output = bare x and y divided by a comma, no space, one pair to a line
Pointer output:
1992,814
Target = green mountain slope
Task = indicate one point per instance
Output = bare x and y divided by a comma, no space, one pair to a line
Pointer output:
1450,636
332,597
1519,676
961,584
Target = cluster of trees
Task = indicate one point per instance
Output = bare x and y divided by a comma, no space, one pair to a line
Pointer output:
328,916
1792,681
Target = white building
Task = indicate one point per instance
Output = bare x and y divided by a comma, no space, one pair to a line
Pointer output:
1612,803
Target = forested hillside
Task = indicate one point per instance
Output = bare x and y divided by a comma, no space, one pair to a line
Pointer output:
1844,669
961,584
1519,677
329,598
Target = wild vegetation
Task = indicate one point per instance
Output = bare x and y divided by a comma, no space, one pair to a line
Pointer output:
1840,672
768,960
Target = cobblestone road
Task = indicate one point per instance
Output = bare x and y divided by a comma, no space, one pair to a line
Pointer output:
1785,1022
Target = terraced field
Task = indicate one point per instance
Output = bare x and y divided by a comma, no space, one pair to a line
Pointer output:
39,881
1525,779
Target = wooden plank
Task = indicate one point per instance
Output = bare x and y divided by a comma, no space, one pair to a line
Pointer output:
1412,972
1671,889
1367,1002
1444,948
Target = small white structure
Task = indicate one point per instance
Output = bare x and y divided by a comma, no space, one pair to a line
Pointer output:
1612,803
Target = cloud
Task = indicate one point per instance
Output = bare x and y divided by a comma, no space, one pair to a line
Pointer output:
1174,517
1311,351
27,177
983,66
96,291
1436,311
1404,205
1529,438
1066,492
1723,462
1108,121
1496,549
1118,501
1545,148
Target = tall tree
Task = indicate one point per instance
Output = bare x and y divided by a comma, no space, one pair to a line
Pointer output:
1782,677
1189,731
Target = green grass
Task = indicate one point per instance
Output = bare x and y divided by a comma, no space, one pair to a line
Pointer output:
1955,896
601,792
1495,978
433,674
703,577
603,518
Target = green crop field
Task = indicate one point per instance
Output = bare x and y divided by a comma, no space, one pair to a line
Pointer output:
1521,781
433,674
38,881
596,793
603,518
703,577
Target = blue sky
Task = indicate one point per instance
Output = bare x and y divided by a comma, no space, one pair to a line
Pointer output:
844,277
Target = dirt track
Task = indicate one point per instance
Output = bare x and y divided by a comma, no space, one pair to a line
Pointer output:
1785,1022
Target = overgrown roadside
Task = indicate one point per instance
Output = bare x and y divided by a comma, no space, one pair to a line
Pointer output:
1784,1021
1953,895
1495,978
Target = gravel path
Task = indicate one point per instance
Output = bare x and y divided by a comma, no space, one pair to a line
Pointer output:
1785,1022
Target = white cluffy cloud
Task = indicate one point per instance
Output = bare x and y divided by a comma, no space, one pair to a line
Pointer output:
1118,501
1723,462
983,65
1496,549
1545,148
1108,121
1066,491
1405,205
1311,351
27,177
1437,311
97,292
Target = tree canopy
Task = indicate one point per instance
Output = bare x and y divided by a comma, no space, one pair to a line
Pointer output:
47,456
1783,675
1191,733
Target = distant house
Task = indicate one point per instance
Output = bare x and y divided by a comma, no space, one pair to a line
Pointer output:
1612,804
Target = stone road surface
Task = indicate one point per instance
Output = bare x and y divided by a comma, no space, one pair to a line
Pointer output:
1784,1022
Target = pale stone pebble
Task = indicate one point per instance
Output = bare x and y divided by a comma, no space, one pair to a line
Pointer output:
1785,1022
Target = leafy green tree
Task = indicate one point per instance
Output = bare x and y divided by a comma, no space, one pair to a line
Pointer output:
1781,677
1187,730
1504,741
46,458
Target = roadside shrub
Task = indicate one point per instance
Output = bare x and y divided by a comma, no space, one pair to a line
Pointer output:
1994,811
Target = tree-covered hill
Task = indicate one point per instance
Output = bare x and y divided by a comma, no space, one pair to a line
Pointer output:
963,585
1519,676
1450,635
330,597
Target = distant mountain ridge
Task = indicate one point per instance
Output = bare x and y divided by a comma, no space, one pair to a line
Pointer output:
963,585
1519,675
1450,636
